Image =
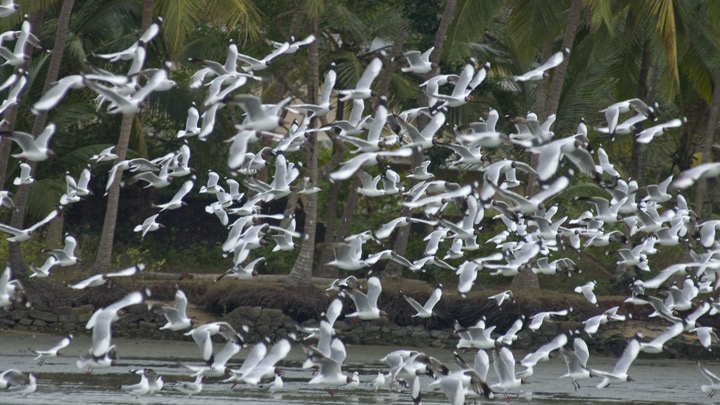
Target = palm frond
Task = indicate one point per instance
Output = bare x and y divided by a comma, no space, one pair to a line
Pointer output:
471,19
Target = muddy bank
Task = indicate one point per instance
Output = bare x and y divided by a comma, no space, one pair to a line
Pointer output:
268,309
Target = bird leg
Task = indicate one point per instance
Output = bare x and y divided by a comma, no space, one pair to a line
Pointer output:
234,384
89,371
329,391
507,398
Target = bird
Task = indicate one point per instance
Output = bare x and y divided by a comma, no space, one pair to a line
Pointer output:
647,135
365,303
176,316
15,381
501,297
100,279
656,345
587,291
190,388
177,200
425,311
362,88
539,72
419,63
53,351
149,225
7,8
620,372
537,320
258,119
25,177
33,149
323,107
216,366
576,362
21,235
65,256
242,272
139,389
612,112
714,385
202,335
504,366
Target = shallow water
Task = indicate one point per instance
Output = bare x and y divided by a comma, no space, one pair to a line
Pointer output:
60,381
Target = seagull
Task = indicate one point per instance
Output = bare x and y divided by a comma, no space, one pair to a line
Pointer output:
7,8
202,335
714,381
149,225
690,176
44,270
261,64
362,88
365,303
258,119
53,351
21,235
138,389
612,113
706,336
190,388
425,311
477,336
647,135
536,320
102,319
504,365
74,190
330,365
539,72
177,318
324,107
619,373
100,279
246,272
66,255
25,177
656,345
587,291
293,46
418,63
191,123
501,297
543,352
216,365
266,366
177,200
14,381
33,149
576,361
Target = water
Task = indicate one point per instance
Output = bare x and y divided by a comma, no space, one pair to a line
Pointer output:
61,382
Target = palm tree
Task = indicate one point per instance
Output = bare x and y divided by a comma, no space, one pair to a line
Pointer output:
18,217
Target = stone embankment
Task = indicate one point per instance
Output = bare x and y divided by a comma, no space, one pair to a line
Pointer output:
139,322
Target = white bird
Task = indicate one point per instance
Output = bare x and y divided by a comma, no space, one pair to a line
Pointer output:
266,366
66,255
543,352
656,345
587,291
576,361
139,389
202,335
25,177
191,123
418,63
619,373
44,270
176,316
379,381
365,303
362,88
100,279
242,272
477,336
330,366
324,106
539,72
425,311
217,364
33,149
293,46
53,351
612,113
177,200
501,297
261,64
14,381
149,225
537,320
191,388
21,235
7,8
647,135
706,336
714,385
688,177
102,319
504,365
258,119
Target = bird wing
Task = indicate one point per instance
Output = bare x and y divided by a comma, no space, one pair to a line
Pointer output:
44,221
230,349
433,300
371,71
628,356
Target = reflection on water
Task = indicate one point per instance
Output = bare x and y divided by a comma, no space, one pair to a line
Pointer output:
60,381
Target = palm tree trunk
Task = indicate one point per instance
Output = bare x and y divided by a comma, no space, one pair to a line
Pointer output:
107,236
301,273
707,143
23,193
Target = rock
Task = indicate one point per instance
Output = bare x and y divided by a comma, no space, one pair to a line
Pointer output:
68,326
65,314
43,316
6,322
18,314
39,322
25,322
137,309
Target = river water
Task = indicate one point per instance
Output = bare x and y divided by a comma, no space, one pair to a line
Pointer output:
60,381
